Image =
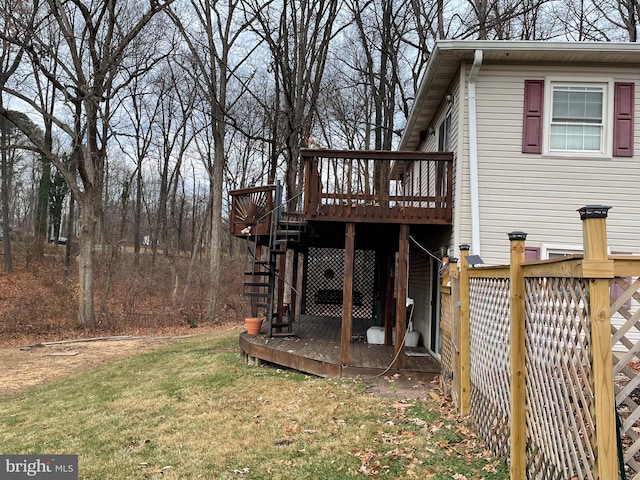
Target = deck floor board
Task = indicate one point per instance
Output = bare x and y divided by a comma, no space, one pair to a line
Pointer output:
315,348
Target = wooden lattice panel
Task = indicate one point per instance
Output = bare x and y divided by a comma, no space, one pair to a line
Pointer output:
489,409
325,277
559,379
625,320
447,331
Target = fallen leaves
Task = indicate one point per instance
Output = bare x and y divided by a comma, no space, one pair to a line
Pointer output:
449,439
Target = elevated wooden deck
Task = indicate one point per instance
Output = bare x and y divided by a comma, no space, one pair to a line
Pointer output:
315,349
378,186
369,187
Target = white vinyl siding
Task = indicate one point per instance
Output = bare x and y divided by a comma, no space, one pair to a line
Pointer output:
539,194
431,145
420,290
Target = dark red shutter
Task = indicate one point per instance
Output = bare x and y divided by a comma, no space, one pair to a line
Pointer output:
618,288
623,99
531,254
532,121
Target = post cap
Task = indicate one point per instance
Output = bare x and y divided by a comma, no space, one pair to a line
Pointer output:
464,246
517,236
593,211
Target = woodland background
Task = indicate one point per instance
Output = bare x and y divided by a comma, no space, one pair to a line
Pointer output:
124,125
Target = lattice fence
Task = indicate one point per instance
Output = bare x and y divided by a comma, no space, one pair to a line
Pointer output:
625,316
559,381
489,408
559,378
325,276
449,324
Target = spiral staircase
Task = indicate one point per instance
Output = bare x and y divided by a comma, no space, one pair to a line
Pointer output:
270,231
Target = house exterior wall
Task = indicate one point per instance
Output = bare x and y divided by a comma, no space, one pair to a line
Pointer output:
536,193
419,289
456,144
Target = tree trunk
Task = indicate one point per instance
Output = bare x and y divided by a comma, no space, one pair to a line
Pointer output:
137,218
88,225
70,235
216,229
5,172
42,208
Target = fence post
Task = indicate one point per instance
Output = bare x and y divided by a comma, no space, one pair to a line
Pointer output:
518,467
464,340
599,269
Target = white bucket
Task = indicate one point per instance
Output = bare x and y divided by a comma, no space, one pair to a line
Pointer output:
412,339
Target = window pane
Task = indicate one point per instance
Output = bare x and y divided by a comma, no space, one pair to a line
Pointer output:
575,137
558,137
576,122
592,135
594,106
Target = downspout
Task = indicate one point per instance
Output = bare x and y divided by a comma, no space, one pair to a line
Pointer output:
473,154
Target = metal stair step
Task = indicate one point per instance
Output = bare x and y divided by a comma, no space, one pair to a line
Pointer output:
257,294
263,263
256,284
281,324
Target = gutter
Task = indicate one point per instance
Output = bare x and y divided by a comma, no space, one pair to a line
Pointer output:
473,154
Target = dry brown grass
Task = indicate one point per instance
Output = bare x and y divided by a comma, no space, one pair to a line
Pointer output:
35,305
193,410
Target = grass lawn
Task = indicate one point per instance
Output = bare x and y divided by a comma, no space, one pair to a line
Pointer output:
194,410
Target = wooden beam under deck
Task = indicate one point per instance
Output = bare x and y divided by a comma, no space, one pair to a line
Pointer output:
347,293
316,350
401,305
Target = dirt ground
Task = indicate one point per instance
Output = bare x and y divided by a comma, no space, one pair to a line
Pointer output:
40,343
39,337
30,365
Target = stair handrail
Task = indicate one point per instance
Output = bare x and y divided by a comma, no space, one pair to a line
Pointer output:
275,211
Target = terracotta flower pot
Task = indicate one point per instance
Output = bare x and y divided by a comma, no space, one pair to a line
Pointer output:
253,324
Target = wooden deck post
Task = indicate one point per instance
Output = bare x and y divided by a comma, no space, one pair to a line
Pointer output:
347,292
464,339
518,466
294,282
388,310
401,300
305,279
282,269
599,269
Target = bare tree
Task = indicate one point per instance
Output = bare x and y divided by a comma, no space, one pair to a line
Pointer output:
98,36
622,17
214,31
298,34
174,124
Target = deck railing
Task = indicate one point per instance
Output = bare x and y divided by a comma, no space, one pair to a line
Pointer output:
251,210
378,186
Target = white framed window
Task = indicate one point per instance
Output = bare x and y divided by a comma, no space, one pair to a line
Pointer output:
554,250
444,134
549,251
578,116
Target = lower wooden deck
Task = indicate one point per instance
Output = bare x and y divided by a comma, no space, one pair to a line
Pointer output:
315,348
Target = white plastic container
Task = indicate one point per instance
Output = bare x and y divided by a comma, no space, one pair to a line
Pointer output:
412,339
375,336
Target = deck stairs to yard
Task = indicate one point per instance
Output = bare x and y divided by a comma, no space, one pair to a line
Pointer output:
262,275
